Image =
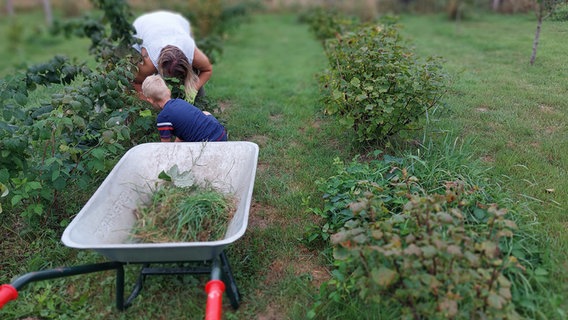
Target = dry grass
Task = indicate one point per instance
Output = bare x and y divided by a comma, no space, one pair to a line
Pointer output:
178,214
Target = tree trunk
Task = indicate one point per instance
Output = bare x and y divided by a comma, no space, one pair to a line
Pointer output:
536,38
48,14
10,7
496,4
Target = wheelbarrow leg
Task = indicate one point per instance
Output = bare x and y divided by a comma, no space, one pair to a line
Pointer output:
120,288
230,283
137,288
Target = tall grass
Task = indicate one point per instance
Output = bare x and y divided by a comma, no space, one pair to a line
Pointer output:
514,113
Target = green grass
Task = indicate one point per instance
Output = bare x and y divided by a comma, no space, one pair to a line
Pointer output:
515,112
512,116
183,214
26,40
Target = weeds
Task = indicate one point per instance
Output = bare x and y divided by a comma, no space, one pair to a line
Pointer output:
180,210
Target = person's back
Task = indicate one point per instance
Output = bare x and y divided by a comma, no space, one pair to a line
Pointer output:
178,118
186,122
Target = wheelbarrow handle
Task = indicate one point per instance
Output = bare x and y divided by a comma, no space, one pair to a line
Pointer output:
7,294
214,289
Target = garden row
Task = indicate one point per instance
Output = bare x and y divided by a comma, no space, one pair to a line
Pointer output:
72,139
420,236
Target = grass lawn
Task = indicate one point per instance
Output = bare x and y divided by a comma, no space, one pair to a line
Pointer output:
515,113
26,40
511,115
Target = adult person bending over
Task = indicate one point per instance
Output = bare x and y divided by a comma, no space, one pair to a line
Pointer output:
168,48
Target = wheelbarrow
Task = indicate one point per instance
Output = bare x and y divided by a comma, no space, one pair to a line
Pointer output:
105,222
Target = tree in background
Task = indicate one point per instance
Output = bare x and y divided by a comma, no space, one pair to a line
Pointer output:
48,13
10,7
543,9
46,9
496,4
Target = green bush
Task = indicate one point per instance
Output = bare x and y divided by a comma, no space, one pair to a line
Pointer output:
72,138
328,23
428,259
560,13
376,84
414,238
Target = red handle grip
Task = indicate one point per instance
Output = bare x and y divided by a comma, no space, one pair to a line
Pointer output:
214,290
7,294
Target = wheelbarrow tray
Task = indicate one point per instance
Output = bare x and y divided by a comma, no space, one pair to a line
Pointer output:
105,222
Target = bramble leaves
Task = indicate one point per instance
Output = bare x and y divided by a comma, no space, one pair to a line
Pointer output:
395,242
376,85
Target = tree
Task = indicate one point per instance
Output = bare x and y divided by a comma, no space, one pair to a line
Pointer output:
47,10
496,4
10,7
543,9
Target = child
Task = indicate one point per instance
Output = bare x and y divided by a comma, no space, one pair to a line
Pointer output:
178,117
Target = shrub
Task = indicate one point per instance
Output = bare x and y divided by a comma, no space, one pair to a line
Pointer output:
375,83
73,137
328,23
560,12
428,259
423,239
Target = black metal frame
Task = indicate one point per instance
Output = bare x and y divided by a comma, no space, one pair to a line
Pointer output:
219,268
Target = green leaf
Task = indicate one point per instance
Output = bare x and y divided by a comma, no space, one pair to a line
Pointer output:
337,95
164,176
21,99
495,301
125,132
479,213
145,113
355,82
181,179
341,253
412,249
34,185
429,251
540,272
54,175
16,199
383,276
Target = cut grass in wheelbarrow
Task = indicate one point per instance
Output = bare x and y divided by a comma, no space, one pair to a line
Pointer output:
184,214
181,210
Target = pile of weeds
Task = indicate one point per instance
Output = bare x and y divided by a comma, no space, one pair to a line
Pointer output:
184,212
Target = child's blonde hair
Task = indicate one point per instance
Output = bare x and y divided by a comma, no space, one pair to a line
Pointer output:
154,87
